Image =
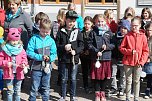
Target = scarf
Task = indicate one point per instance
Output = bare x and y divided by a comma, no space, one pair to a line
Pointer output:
10,15
12,50
102,30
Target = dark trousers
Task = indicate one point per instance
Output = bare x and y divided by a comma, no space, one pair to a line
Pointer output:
100,85
85,66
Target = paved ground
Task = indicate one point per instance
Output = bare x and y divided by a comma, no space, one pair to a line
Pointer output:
81,95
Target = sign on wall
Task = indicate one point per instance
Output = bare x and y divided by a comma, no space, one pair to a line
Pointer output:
144,2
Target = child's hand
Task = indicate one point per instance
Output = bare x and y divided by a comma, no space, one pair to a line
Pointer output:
73,52
46,58
68,47
104,47
99,54
9,64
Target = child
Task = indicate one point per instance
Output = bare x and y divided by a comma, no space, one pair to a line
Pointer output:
134,47
1,70
13,60
117,60
2,15
148,65
146,17
109,14
38,18
42,49
85,56
59,23
100,47
70,45
79,21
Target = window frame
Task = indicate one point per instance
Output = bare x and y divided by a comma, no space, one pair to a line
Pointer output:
103,2
56,2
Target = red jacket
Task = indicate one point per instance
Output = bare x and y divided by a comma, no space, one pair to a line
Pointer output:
134,41
113,26
2,15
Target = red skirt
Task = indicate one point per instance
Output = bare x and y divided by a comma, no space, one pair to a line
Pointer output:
101,73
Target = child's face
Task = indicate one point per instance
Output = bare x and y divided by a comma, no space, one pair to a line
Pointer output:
123,31
44,32
100,22
13,43
70,23
146,15
87,25
135,26
149,31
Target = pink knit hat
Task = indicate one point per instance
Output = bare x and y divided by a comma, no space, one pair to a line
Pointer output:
14,34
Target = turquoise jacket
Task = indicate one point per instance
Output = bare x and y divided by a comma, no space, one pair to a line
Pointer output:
80,23
38,46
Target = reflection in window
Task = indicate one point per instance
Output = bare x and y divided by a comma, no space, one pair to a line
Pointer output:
94,0
111,1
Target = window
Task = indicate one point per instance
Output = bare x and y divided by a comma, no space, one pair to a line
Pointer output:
57,0
102,1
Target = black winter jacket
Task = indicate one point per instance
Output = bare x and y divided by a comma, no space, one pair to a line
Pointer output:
63,38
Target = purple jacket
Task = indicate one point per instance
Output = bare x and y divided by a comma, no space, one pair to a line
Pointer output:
8,72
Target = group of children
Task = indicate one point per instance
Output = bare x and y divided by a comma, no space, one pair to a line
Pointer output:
102,45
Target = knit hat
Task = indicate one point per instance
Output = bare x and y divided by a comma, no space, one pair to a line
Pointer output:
14,34
71,14
1,32
126,24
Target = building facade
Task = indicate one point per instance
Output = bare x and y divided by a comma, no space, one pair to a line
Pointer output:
83,7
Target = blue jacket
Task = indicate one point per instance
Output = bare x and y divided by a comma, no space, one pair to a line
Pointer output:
37,47
80,23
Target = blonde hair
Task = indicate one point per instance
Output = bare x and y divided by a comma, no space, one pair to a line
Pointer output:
126,12
45,24
71,5
97,16
61,16
107,13
18,2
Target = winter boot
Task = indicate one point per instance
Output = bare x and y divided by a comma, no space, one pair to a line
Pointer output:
102,96
97,96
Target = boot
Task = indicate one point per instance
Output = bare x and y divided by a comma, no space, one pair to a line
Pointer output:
102,96
97,96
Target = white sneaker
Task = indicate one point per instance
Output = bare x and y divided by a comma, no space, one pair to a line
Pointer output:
146,97
132,95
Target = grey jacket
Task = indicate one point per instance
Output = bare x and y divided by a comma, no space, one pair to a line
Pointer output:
22,20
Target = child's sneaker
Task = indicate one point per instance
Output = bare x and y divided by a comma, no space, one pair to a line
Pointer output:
61,99
147,94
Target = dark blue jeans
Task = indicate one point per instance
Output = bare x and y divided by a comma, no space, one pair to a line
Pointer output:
40,80
68,72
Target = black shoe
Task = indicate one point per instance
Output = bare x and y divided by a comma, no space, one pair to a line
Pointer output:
113,92
87,91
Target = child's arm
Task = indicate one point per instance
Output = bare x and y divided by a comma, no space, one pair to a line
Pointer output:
53,51
123,47
3,62
24,58
31,53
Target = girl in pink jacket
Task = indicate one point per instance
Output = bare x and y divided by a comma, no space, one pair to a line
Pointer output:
13,60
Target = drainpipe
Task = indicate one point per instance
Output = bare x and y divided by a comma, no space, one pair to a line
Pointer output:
33,10
118,10
82,8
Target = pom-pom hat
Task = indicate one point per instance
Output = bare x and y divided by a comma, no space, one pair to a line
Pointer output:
14,34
